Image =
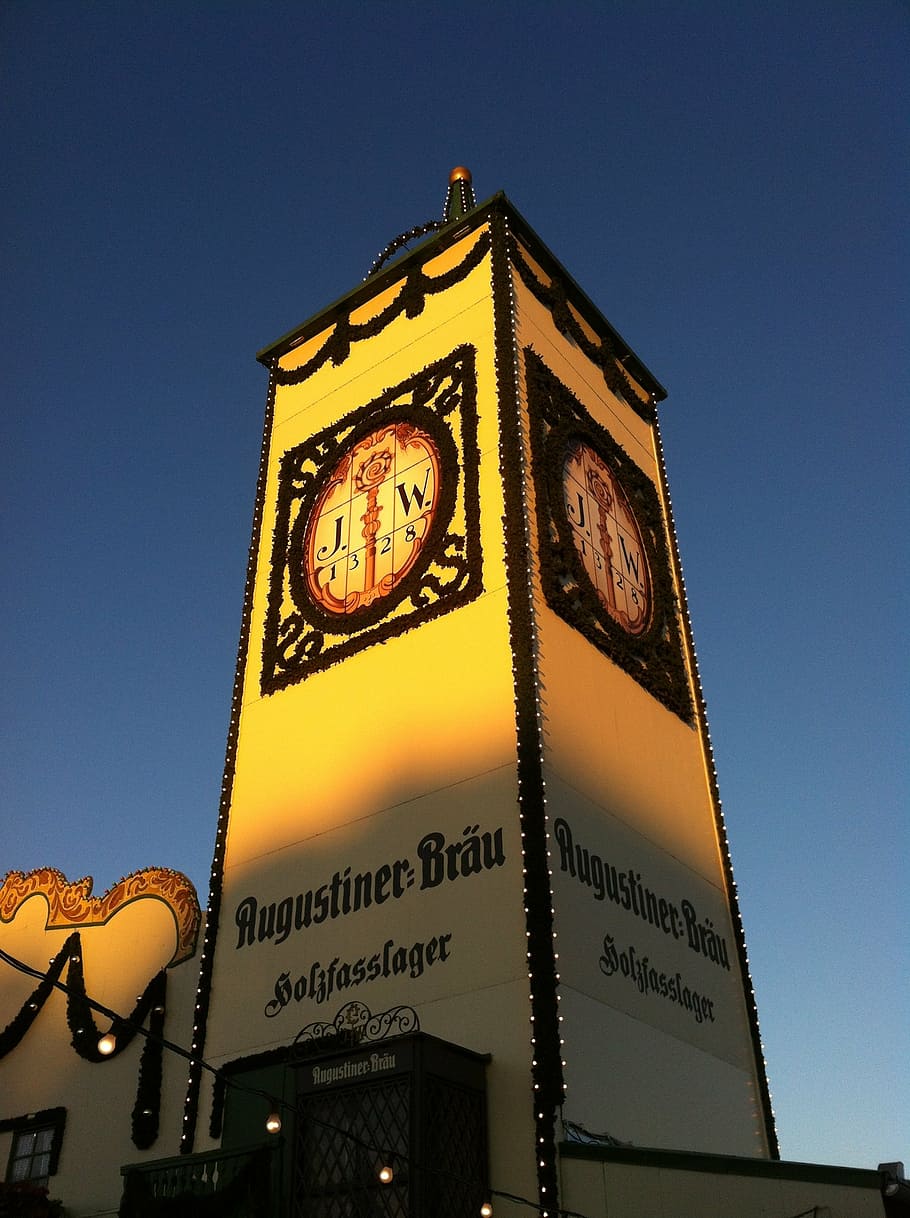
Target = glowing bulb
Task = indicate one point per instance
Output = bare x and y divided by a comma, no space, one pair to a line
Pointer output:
386,1174
107,1044
273,1122
486,1210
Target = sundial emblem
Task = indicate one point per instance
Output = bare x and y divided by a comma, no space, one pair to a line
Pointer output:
372,518
607,538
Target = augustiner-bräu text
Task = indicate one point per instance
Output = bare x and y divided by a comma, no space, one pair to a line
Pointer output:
624,887
438,861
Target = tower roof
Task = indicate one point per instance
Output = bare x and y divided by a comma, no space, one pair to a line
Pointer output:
461,215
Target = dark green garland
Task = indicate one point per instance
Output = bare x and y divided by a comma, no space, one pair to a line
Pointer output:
399,242
85,1034
546,1069
296,646
216,880
410,301
654,658
602,355
14,1031
146,1110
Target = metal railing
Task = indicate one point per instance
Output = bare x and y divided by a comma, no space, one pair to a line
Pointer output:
232,1183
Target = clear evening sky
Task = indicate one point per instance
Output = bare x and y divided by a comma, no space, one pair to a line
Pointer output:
185,182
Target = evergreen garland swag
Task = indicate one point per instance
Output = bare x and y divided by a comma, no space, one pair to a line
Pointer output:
85,1033
547,1069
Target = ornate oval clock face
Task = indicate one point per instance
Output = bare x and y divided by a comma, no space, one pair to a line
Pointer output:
607,538
372,518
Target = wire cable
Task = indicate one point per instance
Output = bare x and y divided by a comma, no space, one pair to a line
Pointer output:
385,1156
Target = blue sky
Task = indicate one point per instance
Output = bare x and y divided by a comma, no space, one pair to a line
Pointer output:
186,182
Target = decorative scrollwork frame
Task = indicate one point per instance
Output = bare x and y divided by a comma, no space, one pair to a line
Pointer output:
300,637
655,657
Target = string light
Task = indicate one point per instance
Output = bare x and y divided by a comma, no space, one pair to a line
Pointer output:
273,1122
723,841
537,892
107,1044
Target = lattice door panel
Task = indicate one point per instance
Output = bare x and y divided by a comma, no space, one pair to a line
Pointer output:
341,1139
454,1150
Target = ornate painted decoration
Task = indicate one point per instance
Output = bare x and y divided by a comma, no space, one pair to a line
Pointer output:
605,567
377,523
72,905
347,567
607,538
356,1021
353,1025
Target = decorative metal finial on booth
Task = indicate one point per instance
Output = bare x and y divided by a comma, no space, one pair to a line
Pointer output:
459,201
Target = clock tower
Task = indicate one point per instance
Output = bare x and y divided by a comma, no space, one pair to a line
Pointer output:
468,807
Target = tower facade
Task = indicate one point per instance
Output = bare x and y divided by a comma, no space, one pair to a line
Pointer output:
468,787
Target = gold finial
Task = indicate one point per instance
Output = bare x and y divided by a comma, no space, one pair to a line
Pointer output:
460,198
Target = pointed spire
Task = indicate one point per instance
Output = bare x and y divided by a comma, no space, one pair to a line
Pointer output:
459,201
460,198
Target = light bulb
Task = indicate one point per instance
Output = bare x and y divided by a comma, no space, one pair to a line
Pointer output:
386,1174
486,1210
107,1044
273,1122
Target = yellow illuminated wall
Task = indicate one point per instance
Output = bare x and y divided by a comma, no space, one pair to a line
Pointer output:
374,847
659,1048
396,763
116,946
